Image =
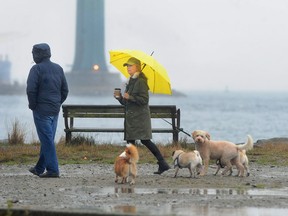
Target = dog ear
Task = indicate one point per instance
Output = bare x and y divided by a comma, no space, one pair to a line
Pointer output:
193,134
208,136
173,153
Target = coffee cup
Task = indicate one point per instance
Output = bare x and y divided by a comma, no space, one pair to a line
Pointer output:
117,92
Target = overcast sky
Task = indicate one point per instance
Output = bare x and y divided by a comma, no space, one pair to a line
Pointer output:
203,44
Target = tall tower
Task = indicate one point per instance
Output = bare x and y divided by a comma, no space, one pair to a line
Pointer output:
89,74
5,67
90,38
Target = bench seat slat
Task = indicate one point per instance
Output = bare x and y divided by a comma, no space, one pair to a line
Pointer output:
95,130
116,115
96,115
155,130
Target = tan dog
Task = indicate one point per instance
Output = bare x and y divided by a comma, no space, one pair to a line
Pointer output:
243,160
125,164
191,160
225,151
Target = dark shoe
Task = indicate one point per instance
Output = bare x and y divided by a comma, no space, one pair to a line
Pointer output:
33,171
163,166
49,175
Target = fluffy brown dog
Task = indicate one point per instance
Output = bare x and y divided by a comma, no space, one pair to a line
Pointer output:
191,160
243,160
125,164
225,151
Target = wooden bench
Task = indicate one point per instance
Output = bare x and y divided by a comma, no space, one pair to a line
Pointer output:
73,112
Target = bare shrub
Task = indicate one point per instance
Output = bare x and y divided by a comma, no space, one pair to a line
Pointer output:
81,139
184,144
17,134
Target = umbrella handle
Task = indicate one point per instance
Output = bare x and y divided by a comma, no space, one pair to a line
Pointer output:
144,63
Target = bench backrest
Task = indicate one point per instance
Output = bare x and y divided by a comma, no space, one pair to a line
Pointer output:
114,111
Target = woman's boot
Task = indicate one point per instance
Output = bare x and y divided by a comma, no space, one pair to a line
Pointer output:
163,166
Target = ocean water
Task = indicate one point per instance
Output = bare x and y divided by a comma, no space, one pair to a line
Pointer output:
225,115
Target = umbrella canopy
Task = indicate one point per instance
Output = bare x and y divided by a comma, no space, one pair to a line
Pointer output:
158,80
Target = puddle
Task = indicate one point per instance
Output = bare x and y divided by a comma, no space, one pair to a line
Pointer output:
126,189
175,209
199,210
194,210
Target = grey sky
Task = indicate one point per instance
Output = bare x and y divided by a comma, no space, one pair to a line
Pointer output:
203,44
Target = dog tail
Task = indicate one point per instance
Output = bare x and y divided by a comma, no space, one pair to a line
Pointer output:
133,152
248,145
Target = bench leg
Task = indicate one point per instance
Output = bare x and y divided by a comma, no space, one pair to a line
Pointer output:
68,137
175,136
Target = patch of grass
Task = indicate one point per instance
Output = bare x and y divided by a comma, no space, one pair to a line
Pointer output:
270,154
81,139
18,153
84,153
9,208
259,186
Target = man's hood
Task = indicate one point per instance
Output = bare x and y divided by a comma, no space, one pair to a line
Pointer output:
40,52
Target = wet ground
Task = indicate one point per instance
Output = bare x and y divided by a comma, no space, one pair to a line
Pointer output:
91,189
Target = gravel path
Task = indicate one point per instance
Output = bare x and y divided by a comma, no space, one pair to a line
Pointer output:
91,188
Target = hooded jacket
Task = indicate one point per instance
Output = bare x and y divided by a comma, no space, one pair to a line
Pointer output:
47,87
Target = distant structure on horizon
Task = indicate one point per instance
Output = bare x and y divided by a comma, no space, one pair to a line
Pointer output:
5,67
6,87
89,74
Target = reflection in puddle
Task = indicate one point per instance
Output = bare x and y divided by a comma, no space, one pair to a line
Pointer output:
194,210
208,211
125,209
174,208
196,191
124,190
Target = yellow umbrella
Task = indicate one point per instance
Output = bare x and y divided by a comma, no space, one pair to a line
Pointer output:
158,80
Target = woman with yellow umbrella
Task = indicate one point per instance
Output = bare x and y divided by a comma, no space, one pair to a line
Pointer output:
137,119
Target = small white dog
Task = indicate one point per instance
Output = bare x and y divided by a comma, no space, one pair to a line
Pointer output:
243,160
191,160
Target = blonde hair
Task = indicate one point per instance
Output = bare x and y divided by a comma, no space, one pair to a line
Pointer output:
138,67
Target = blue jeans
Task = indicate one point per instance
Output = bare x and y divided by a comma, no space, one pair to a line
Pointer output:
46,128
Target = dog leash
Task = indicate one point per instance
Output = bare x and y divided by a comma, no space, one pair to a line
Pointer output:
179,129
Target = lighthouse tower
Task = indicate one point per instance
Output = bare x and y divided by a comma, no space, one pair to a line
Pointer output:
89,74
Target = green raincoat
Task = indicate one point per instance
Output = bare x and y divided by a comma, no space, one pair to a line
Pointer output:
137,122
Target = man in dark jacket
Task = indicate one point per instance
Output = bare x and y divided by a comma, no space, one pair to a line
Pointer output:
137,115
46,90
